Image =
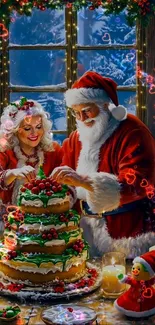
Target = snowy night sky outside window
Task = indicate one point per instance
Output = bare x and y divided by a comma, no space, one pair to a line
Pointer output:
47,53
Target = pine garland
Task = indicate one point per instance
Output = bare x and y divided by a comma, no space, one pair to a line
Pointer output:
135,9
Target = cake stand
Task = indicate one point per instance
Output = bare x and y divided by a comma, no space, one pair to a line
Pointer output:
87,284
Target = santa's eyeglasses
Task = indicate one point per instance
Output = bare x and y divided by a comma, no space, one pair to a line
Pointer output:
86,111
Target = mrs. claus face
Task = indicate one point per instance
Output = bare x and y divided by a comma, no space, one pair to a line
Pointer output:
30,131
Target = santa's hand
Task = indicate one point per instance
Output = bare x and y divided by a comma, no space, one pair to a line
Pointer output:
25,172
67,175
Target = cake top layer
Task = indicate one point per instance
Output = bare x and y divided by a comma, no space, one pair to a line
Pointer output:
44,190
69,315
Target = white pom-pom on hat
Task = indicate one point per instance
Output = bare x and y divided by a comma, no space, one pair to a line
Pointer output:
118,112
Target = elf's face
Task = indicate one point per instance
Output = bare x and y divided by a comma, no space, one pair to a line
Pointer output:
138,272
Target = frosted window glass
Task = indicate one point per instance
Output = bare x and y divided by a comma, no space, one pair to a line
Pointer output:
42,27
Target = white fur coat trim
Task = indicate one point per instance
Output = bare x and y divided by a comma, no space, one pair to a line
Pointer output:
101,242
76,96
106,192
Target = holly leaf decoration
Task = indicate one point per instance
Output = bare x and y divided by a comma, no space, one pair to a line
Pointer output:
41,174
23,101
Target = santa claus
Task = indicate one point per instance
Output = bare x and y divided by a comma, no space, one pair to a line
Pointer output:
110,160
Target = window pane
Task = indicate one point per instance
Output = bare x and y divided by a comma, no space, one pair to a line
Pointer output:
116,64
128,99
59,137
94,28
42,27
52,102
37,67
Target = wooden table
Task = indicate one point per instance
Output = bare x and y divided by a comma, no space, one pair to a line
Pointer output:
106,313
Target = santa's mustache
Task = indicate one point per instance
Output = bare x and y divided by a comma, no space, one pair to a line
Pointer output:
88,120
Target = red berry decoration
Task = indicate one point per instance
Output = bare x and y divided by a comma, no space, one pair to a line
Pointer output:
70,309
42,186
55,235
23,189
78,246
47,184
49,193
29,186
49,236
44,236
35,190
54,188
59,188
14,253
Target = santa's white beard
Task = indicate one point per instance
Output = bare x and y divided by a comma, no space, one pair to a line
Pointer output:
95,132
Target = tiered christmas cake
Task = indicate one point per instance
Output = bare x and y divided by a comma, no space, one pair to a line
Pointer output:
43,243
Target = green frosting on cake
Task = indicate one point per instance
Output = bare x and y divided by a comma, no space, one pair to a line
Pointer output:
28,195
39,240
38,258
45,220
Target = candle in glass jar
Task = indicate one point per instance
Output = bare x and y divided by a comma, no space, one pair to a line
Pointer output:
110,280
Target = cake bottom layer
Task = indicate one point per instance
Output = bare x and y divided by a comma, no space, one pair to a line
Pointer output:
73,274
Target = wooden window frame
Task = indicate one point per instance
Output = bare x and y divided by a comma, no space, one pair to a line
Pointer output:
72,49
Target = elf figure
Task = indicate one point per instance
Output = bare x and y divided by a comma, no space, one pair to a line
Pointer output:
139,300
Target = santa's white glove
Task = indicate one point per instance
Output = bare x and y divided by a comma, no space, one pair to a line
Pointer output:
67,175
25,172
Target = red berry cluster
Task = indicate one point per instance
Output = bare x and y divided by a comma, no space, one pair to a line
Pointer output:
85,283
93,273
48,185
15,287
24,107
78,246
60,287
41,5
7,225
64,218
11,255
4,314
18,216
88,282
144,6
51,234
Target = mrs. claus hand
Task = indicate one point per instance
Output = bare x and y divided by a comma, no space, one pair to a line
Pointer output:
67,175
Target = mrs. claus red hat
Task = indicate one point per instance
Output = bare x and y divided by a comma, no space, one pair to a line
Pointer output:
148,260
92,87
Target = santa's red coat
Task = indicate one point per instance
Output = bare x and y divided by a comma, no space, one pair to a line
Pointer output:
139,300
8,160
122,169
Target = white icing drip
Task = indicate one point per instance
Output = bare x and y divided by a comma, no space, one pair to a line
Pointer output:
39,203
50,267
50,243
37,226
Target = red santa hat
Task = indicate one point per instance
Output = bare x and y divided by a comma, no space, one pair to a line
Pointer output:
148,260
92,87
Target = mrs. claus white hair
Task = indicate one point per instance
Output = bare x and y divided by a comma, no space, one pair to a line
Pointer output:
10,123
